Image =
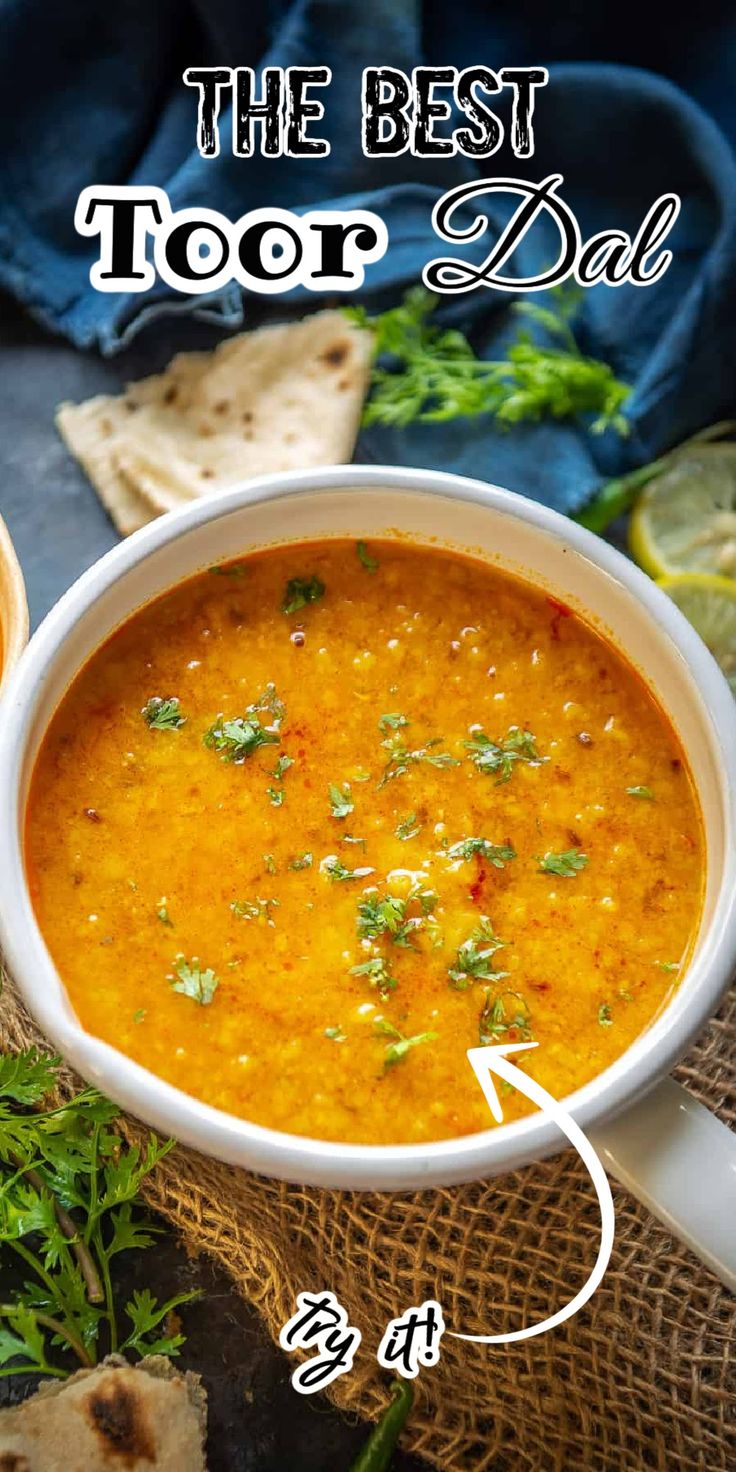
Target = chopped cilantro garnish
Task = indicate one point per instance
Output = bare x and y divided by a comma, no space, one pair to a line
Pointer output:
337,870
497,854
269,863
400,1046
668,965
282,766
408,827
301,591
341,802
140,1015
391,916
237,739
276,795
565,865
379,972
163,715
400,758
474,958
193,981
301,861
163,913
645,792
496,1022
254,909
392,722
604,1015
370,564
336,1034
269,700
500,757
229,570
350,838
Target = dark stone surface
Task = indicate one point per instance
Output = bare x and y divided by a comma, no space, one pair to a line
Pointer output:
257,1422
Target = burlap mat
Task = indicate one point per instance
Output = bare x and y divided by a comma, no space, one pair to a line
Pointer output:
641,1378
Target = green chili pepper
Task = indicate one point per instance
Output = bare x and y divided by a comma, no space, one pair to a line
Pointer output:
381,1444
618,496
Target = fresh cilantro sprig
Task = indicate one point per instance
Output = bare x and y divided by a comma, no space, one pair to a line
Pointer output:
431,374
69,1204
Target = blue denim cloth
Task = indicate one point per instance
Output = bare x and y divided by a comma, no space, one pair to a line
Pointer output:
93,94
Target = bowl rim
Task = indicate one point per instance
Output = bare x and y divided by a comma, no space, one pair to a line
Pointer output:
13,606
300,1158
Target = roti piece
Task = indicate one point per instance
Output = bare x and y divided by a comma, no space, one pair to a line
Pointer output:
151,1417
280,398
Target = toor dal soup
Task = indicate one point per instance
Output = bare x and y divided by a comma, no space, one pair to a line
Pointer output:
312,824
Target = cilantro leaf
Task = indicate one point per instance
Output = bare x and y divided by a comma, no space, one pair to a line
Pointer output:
371,564
644,792
193,981
498,758
341,802
28,1076
163,715
237,739
565,865
496,1022
301,591
378,971
301,861
398,1048
497,854
395,917
334,867
401,758
474,961
145,1314
408,827
604,1015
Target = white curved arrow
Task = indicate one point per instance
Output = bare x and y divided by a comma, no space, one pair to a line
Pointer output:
494,1060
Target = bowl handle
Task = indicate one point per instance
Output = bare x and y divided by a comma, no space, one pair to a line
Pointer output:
680,1161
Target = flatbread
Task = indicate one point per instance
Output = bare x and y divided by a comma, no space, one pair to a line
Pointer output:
279,398
145,1418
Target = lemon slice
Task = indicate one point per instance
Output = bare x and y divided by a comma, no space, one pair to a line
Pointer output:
685,519
709,603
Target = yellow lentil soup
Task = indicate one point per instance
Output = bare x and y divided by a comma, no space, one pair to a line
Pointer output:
313,824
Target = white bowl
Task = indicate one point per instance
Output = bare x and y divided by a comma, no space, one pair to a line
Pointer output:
513,533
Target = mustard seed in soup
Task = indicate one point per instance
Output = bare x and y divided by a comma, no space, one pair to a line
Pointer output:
315,822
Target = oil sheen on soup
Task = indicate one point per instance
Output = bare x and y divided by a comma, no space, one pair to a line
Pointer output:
314,823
